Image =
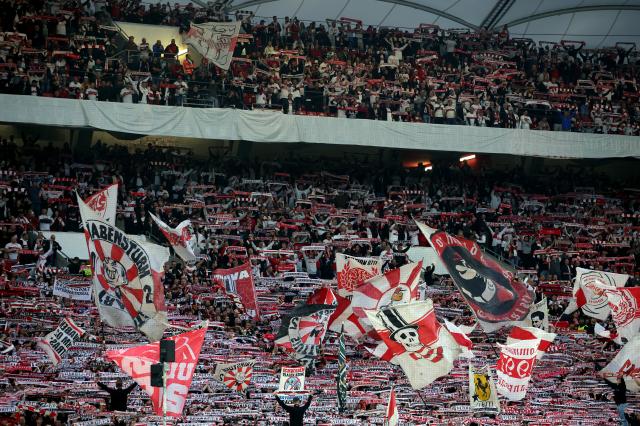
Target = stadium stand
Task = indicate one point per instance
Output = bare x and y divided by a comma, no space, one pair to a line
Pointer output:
289,218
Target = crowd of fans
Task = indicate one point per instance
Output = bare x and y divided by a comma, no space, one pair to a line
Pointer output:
337,68
265,213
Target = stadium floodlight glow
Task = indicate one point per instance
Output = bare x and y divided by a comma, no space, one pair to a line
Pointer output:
428,168
467,157
182,52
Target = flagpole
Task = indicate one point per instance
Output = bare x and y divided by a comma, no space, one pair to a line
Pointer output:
422,398
164,394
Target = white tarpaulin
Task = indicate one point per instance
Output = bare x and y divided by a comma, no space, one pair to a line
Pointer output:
258,126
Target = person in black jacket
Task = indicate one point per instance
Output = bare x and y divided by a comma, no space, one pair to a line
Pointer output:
118,396
296,411
620,398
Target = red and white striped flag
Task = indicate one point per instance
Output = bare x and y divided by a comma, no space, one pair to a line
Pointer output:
519,334
392,417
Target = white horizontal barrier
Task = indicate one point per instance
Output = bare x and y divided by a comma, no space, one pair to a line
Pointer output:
260,126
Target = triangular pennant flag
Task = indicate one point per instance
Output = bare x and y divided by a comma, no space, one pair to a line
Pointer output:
392,417
137,361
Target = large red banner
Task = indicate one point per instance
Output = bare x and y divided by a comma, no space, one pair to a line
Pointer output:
137,361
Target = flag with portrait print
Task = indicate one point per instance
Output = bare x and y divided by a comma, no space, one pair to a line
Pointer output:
409,335
492,291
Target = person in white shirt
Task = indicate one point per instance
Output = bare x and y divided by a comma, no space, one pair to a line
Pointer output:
127,93
45,221
143,90
181,90
75,86
12,248
525,121
261,98
91,93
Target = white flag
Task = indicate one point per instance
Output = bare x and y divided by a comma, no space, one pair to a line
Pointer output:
514,368
626,365
104,203
625,310
216,41
58,342
181,238
519,334
538,315
392,417
291,379
482,390
589,290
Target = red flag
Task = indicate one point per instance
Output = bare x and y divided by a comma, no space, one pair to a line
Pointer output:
238,281
137,361
352,271
531,333
392,417
514,368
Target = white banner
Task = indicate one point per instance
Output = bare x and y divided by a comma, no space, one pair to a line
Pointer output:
216,41
514,368
73,287
56,343
291,379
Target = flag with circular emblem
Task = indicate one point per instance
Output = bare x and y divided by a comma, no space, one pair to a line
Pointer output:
236,376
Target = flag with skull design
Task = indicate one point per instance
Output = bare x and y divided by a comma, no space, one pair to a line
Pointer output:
492,291
410,336
127,274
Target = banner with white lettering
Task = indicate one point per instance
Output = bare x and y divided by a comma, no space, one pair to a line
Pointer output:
56,343
137,361
76,287
216,41
291,379
514,368
238,282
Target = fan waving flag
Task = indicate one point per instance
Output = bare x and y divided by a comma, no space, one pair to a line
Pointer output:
410,336
625,310
181,238
235,376
104,203
137,361
532,333
491,290
394,287
391,416
127,276
214,41
514,368
353,271
303,330
589,292
342,374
